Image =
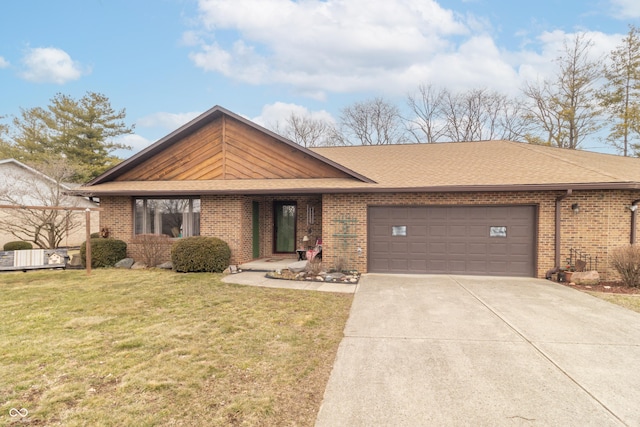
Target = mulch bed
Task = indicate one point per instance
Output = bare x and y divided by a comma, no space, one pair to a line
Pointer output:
605,287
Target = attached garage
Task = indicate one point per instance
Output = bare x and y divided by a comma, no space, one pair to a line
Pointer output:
482,240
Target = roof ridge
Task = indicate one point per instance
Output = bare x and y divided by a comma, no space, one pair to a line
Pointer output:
529,147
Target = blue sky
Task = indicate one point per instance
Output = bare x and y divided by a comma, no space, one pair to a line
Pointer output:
165,61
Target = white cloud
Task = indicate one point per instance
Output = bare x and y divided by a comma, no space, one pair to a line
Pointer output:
335,46
3,62
278,112
136,142
50,65
626,9
168,121
310,44
539,61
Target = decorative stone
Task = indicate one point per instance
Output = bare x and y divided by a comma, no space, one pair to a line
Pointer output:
297,267
166,265
334,276
586,278
123,263
138,266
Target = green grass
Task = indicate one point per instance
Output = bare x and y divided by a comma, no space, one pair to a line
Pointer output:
152,347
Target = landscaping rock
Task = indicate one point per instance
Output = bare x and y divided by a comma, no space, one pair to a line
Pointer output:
297,267
333,276
138,265
586,278
123,263
166,265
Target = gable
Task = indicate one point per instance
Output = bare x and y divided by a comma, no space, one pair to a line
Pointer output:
227,148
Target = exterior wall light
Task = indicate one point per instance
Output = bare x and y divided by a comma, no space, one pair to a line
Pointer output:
575,208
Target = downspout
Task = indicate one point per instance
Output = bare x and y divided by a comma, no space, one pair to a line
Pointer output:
559,200
634,220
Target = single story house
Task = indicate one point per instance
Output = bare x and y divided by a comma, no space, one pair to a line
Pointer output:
22,185
482,208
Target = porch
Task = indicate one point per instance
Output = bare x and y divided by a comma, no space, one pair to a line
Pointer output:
275,228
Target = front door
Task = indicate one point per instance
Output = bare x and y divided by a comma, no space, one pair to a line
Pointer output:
284,227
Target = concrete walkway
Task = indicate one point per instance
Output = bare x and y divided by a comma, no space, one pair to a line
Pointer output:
460,350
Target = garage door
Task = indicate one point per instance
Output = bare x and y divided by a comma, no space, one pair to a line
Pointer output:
482,240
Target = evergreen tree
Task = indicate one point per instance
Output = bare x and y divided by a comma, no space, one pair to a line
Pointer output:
80,131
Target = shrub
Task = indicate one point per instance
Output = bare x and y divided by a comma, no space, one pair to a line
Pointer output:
314,267
626,261
17,246
95,235
199,253
151,248
104,252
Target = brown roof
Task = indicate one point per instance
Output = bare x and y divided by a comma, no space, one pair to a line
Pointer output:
472,166
487,163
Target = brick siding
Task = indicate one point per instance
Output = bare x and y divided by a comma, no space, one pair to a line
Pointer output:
602,224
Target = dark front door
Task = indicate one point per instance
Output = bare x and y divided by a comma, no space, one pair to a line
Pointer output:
284,227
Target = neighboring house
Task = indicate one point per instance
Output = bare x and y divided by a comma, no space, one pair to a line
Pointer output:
21,185
486,208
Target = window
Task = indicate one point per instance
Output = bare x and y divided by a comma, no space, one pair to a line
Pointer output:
173,217
497,231
399,230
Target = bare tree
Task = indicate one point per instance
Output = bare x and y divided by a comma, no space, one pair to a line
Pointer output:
427,124
309,131
373,122
45,228
620,96
564,111
474,115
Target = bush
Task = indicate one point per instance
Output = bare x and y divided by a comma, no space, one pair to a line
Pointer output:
104,252
95,235
626,261
199,253
151,248
17,246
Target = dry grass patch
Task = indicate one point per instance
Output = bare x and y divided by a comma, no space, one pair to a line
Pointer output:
151,347
632,302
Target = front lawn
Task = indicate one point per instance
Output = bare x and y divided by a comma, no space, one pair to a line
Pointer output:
632,302
152,347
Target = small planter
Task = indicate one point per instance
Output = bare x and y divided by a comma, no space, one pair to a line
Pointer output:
567,276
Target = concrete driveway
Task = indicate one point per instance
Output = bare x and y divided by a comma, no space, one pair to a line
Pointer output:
462,350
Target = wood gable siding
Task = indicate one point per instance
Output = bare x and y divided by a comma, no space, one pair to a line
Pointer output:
226,148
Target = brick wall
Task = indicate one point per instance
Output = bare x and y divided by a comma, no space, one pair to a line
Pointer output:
223,217
602,224
117,216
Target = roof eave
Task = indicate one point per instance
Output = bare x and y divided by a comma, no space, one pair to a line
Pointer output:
86,191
